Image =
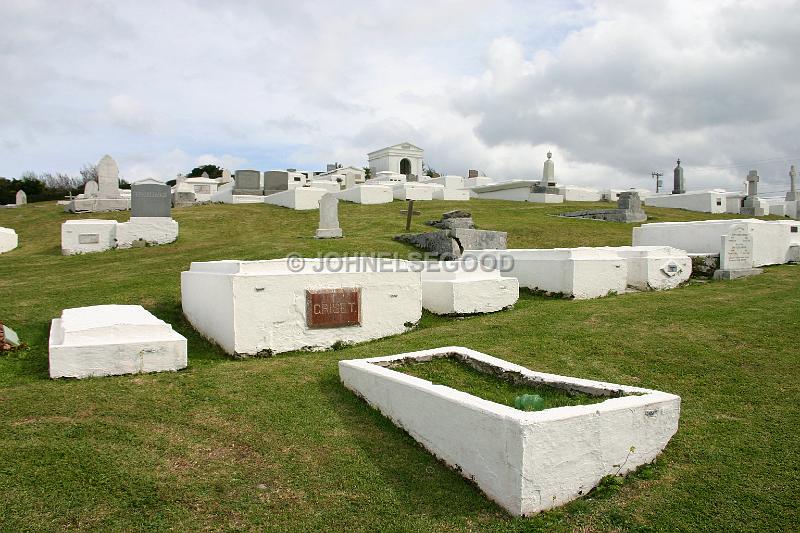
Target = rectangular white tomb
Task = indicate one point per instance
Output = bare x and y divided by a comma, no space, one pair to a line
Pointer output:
527,462
107,340
465,287
253,307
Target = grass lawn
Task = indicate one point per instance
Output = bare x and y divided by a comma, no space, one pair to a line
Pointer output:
279,444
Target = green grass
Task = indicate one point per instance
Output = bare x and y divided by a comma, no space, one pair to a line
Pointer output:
456,374
280,444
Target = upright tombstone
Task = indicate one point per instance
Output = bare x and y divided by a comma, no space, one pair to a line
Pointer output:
752,203
679,184
226,176
275,181
107,178
549,172
736,254
90,189
150,198
792,195
247,182
329,218
22,198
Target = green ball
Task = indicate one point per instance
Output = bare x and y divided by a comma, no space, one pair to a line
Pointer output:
529,402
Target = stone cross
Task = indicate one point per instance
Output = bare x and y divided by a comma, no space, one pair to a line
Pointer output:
752,183
679,183
22,198
107,178
329,218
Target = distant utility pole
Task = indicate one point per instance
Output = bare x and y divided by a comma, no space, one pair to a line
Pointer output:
657,176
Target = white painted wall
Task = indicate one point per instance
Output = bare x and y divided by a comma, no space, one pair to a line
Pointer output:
771,238
251,306
300,198
106,340
702,201
368,194
8,240
527,462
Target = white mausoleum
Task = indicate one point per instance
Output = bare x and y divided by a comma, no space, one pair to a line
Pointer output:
402,158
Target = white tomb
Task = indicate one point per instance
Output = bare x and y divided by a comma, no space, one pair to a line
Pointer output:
413,191
108,196
580,194
772,239
253,307
88,236
204,188
107,340
298,198
441,192
527,462
368,194
578,272
8,240
465,287
404,158
327,185
702,201
517,191
655,267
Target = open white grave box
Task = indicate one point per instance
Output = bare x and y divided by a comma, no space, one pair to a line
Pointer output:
525,461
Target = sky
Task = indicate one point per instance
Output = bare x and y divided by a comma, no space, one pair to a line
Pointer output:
616,90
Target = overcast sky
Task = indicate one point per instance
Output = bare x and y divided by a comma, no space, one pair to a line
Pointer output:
615,89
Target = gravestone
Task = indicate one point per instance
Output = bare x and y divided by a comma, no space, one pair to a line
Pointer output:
792,195
90,189
275,181
107,178
248,182
736,255
329,218
679,184
629,210
9,339
452,220
150,198
549,172
22,198
752,203
226,176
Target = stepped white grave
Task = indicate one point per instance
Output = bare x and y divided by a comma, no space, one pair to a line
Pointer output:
107,340
465,287
525,461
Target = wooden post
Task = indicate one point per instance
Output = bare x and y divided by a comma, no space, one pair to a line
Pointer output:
410,212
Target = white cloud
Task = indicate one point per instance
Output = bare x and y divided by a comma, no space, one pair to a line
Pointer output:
615,89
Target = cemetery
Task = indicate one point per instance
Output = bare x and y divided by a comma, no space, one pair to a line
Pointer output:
346,387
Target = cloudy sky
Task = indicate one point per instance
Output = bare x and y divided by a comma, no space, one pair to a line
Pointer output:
615,89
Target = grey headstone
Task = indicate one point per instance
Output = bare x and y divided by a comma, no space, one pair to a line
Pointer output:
226,176
793,195
107,178
329,218
21,198
90,188
737,249
150,198
247,182
679,184
8,337
275,181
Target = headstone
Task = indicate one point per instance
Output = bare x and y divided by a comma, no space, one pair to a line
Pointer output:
107,178
452,220
792,195
752,203
549,172
150,198
329,218
736,254
205,175
679,184
8,338
247,182
629,200
275,181
22,198
226,176
90,189
180,178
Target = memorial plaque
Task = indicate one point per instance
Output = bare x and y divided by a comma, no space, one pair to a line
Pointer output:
737,249
88,238
333,308
202,189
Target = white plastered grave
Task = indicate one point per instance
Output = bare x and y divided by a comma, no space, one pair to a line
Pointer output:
298,198
459,287
367,194
8,240
250,307
527,462
106,340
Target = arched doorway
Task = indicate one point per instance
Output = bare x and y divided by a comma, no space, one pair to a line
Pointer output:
405,166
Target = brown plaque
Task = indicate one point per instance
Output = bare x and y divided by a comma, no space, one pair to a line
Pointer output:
333,308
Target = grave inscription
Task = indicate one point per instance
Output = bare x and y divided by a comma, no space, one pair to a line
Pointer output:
333,308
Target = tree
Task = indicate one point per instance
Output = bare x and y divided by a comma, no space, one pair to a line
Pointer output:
428,171
88,173
213,171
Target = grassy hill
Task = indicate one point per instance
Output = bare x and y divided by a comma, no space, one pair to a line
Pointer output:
278,443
